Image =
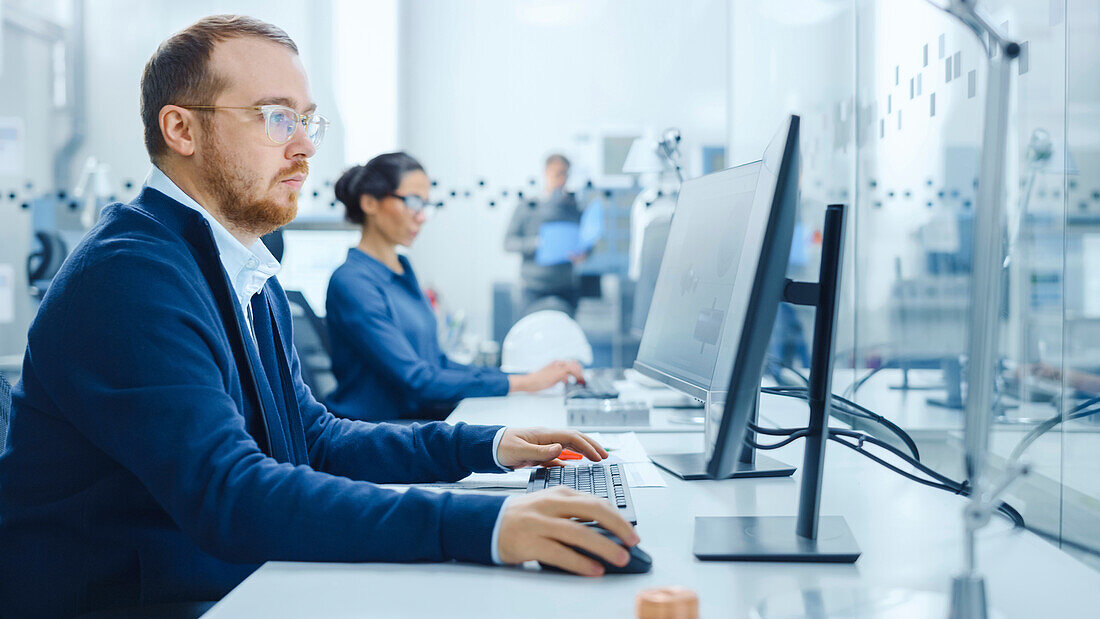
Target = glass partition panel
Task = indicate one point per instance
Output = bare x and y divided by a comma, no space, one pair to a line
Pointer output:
1080,380
892,94
798,56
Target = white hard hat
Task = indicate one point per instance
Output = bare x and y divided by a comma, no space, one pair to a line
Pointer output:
542,337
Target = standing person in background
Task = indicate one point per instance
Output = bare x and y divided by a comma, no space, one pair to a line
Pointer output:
545,286
385,342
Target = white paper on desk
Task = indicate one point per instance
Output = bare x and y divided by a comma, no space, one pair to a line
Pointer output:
644,475
623,447
626,449
512,479
485,481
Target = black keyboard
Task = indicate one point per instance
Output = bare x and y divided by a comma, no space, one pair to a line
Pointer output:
595,387
603,480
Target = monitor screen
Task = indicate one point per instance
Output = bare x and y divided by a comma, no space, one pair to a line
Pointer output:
691,298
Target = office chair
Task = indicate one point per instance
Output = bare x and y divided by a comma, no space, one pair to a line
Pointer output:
275,243
45,261
311,342
5,410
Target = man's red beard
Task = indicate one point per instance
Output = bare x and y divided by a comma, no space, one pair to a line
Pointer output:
246,200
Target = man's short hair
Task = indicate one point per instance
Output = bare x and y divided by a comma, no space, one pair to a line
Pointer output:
179,72
558,158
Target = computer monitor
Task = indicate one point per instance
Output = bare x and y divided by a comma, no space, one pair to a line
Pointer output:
691,297
759,286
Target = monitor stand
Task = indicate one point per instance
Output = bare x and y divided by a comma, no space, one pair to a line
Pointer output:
693,466
773,538
809,537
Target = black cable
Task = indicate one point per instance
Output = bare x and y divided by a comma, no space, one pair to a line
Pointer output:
846,406
774,431
853,409
787,441
783,364
1077,412
917,464
960,488
898,470
943,482
889,425
1083,413
852,388
796,433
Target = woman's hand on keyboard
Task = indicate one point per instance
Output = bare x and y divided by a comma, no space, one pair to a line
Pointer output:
553,373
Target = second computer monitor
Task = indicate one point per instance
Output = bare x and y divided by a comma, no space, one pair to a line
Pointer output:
691,298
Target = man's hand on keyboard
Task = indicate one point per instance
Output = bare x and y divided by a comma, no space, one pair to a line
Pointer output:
539,527
520,447
553,373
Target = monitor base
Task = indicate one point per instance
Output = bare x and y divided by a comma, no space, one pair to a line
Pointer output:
693,466
773,538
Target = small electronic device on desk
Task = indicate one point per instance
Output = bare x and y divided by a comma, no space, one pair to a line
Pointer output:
583,413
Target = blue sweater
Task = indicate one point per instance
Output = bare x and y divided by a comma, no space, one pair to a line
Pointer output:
146,463
385,347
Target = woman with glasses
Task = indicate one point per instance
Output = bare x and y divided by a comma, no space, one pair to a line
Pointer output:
385,348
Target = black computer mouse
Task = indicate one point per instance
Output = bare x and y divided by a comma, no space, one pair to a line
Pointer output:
640,561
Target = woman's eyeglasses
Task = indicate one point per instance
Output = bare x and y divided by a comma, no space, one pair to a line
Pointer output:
415,203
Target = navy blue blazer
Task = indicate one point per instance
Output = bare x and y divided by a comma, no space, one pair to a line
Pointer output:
385,347
150,459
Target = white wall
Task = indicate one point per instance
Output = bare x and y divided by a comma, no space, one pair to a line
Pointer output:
24,95
488,88
122,34
120,37
366,66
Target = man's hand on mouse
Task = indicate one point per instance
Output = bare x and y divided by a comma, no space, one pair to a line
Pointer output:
539,527
553,373
520,447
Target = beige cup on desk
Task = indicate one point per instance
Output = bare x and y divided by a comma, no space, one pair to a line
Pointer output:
666,603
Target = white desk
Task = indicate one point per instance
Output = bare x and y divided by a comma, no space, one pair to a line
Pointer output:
910,536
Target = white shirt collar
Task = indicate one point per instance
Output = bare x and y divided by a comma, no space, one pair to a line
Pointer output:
248,268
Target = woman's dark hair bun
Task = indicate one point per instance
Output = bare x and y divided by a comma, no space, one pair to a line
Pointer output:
379,178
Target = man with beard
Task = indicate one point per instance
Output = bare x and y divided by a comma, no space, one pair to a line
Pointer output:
162,443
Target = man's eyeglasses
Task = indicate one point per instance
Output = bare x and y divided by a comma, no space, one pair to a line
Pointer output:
414,203
280,121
